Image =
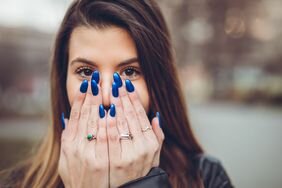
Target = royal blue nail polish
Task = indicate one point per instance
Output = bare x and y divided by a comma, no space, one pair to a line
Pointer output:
96,76
63,121
84,86
117,79
113,110
94,88
159,118
114,89
101,111
129,86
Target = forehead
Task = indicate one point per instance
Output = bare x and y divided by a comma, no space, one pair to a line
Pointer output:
110,44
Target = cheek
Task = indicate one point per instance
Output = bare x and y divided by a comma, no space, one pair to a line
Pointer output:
73,86
143,93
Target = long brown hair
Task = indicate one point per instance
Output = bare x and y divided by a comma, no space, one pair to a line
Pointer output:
143,20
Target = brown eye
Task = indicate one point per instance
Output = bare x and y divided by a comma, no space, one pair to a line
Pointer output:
87,72
84,71
130,73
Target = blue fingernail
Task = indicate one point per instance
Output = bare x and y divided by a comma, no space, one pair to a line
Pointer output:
94,88
129,86
84,86
115,90
63,121
159,118
95,76
112,110
117,79
101,111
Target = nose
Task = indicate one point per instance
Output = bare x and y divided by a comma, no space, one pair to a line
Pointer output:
106,80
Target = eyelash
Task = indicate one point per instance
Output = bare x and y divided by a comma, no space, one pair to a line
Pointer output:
83,68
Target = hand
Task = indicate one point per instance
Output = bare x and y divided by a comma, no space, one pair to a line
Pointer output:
131,158
84,163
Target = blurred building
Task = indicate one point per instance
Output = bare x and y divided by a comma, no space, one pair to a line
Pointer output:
226,50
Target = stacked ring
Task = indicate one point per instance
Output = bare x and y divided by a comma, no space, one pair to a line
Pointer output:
126,136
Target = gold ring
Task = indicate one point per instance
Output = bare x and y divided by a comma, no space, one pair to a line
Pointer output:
146,129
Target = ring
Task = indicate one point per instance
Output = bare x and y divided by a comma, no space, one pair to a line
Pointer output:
91,137
126,136
146,129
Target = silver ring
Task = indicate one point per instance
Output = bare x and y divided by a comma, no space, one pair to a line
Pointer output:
146,129
126,136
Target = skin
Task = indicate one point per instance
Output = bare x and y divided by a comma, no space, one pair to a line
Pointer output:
107,161
106,49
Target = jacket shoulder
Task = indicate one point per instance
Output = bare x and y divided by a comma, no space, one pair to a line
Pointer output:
213,172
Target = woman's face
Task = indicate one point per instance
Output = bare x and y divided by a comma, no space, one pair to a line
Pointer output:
107,50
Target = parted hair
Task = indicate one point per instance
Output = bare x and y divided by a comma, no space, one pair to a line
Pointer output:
144,22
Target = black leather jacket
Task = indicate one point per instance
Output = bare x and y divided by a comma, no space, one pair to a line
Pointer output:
211,170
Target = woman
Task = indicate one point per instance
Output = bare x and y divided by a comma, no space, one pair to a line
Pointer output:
114,77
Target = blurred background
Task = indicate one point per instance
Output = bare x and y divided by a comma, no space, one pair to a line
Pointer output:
229,57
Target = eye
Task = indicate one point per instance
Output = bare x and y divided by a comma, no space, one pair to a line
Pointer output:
84,71
130,73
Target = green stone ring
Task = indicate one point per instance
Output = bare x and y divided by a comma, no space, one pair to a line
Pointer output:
91,137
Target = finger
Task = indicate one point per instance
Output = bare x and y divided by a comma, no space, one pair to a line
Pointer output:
130,115
95,100
121,126
140,111
121,121
157,130
102,141
84,115
75,110
113,135
160,137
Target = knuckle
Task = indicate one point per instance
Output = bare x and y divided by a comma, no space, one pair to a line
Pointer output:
121,121
102,138
85,111
66,147
113,137
92,123
100,166
140,112
130,113
89,160
129,163
75,114
118,165
155,147
75,152
143,153
135,160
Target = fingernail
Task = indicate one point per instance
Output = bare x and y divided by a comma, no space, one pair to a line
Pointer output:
84,86
112,110
63,121
151,115
117,79
95,76
159,118
129,86
101,111
94,88
115,90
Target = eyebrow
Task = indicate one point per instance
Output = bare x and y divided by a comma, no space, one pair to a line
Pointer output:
89,62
